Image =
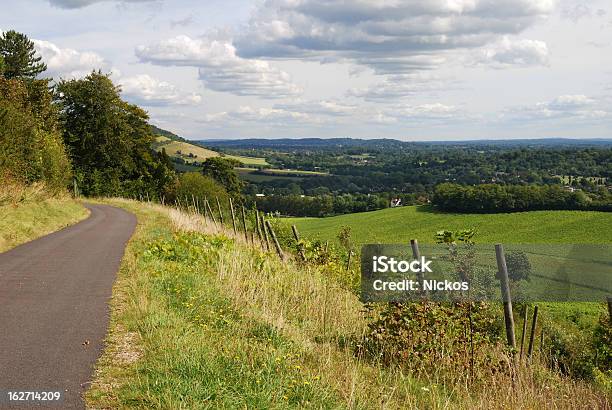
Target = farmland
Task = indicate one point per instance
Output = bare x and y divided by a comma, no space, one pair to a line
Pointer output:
191,153
396,225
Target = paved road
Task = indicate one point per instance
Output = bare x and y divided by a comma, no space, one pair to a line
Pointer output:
54,295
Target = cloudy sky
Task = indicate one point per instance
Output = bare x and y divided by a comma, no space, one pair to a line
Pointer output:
412,69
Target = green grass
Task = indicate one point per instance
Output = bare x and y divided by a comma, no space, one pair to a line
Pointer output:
25,221
200,154
200,319
399,225
181,341
252,161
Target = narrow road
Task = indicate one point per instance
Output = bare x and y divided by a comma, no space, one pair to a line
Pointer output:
54,294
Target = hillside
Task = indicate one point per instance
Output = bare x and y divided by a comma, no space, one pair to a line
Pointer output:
203,319
396,225
179,148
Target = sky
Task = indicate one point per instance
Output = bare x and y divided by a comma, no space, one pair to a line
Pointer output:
410,70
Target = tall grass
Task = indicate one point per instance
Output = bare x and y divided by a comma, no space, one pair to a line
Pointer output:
213,322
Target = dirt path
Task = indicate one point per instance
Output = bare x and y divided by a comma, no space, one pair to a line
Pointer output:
54,295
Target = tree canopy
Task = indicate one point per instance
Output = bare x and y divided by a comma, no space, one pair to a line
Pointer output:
19,55
109,140
222,170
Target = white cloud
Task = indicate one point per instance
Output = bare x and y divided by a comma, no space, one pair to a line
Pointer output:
146,90
76,4
420,113
389,36
68,63
509,52
562,107
220,68
322,107
403,85
269,116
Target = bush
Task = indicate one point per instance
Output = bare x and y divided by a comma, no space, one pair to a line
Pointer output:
454,341
200,187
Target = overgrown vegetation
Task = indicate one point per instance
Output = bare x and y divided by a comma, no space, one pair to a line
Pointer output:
202,319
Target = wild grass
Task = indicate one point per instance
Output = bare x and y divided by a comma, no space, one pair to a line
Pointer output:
29,212
201,319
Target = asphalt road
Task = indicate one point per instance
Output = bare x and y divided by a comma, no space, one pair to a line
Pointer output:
54,294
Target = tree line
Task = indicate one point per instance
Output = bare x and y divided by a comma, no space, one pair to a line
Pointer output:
512,198
81,131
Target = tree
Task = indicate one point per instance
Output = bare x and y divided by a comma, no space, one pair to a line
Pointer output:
31,146
19,55
222,170
519,267
109,140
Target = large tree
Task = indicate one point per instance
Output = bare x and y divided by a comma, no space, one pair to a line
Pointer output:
222,170
109,140
19,55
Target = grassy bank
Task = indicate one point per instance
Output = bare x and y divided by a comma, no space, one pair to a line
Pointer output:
34,213
397,225
202,320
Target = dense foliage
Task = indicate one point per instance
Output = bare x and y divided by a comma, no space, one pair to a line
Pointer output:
322,205
411,171
109,140
509,198
195,186
222,170
31,146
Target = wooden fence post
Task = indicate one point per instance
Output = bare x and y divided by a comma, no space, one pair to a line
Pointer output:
258,229
348,261
212,215
76,188
233,215
533,331
279,250
219,208
524,331
265,232
506,297
296,235
416,255
246,234
610,308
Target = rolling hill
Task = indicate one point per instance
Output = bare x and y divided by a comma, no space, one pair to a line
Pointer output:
396,225
178,147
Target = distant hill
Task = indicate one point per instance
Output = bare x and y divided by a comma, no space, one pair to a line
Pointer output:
327,143
165,133
187,155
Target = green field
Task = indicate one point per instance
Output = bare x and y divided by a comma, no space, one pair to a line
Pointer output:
395,225
180,149
270,174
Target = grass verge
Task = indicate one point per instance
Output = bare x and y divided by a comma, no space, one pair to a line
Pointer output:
35,214
201,320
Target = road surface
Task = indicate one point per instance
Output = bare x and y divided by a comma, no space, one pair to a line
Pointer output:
54,294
